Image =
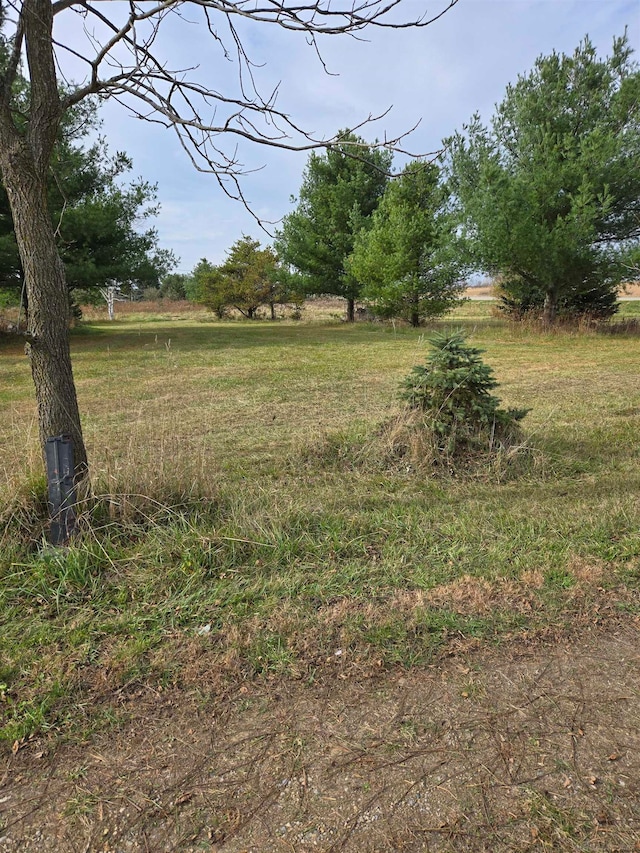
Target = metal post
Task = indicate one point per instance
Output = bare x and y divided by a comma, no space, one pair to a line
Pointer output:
62,493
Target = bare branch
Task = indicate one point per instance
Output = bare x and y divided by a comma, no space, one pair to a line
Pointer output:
9,76
123,63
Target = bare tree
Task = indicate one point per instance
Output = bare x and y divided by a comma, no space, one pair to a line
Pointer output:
118,46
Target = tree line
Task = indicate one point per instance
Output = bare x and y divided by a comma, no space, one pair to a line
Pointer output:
545,199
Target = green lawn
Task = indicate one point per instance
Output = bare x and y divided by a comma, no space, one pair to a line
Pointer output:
223,529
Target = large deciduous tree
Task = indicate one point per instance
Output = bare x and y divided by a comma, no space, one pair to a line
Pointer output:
402,259
340,190
549,194
119,46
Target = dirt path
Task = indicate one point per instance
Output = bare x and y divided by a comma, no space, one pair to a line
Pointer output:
532,749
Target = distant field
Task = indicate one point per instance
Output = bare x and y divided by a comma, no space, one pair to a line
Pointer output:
230,493
629,291
477,292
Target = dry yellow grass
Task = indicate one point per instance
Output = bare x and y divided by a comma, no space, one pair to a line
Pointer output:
486,291
631,290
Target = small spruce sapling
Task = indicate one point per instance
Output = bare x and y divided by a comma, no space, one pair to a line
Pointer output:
453,391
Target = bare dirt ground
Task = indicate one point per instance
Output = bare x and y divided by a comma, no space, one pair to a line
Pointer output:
527,748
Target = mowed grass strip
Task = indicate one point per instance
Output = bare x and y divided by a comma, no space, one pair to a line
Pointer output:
225,543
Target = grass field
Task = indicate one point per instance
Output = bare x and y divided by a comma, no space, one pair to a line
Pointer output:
232,518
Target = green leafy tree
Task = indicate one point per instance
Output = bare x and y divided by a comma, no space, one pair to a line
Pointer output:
340,190
101,240
400,259
549,194
173,286
195,282
246,280
289,288
99,222
214,289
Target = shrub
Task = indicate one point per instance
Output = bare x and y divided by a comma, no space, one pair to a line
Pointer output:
452,392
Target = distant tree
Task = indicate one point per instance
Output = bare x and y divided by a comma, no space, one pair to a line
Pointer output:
549,195
289,288
400,260
100,241
246,280
195,280
173,286
340,190
212,288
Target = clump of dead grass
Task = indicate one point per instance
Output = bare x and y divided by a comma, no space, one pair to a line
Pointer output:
406,444
579,325
410,440
622,326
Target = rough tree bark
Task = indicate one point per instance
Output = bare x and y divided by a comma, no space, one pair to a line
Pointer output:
351,310
24,163
48,323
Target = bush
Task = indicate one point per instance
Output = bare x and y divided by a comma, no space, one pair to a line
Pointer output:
519,303
452,392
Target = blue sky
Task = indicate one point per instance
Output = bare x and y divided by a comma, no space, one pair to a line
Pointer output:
437,76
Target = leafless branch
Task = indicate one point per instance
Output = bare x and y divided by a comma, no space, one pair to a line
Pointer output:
13,63
172,97
123,62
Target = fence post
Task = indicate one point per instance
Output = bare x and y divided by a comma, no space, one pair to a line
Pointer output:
61,492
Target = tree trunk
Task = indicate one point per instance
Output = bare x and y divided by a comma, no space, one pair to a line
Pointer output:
111,299
351,310
550,308
48,325
415,313
272,305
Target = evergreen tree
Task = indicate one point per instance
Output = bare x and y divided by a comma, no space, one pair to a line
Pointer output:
98,221
549,194
453,390
400,259
340,190
246,280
